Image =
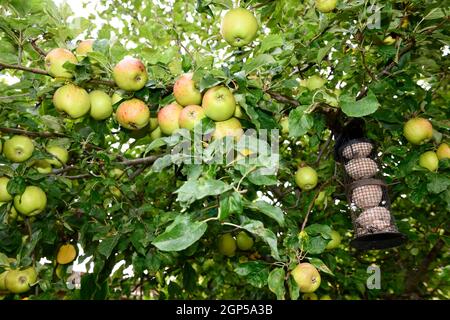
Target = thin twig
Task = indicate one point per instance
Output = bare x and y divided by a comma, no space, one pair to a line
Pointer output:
32,133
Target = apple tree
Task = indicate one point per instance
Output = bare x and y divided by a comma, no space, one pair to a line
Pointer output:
101,162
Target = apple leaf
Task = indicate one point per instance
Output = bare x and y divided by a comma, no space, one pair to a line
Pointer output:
299,122
197,189
438,184
319,264
255,273
16,185
4,262
270,42
257,228
294,290
276,282
360,108
182,233
107,245
273,212
257,62
229,204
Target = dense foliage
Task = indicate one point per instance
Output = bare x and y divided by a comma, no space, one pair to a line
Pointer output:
384,62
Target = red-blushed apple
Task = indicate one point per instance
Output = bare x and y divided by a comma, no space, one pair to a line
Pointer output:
307,277
18,148
72,100
101,105
418,130
130,74
133,114
306,178
185,91
54,61
326,6
429,160
239,27
168,118
190,116
4,195
219,103
84,47
228,128
443,151
31,202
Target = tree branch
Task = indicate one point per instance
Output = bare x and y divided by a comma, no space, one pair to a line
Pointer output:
32,133
134,162
36,48
17,67
283,99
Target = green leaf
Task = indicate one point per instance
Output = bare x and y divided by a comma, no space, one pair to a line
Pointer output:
230,204
257,62
270,42
273,212
438,183
255,273
16,185
197,189
107,245
294,290
299,122
319,264
276,282
257,228
319,229
323,51
4,262
182,233
360,108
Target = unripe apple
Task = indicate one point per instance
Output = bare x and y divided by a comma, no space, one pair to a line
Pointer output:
18,148
42,166
443,151
190,116
238,112
72,100
185,91
227,245
418,130
315,82
156,134
326,6
219,103
307,277
244,241
310,296
84,47
284,125
168,117
4,195
153,124
228,128
389,40
54,61
429,160
31,202
325,297
306,178
117,96
130,74
101,105
20,281
239,27
2,280
133,114
115,191
335,240
60,156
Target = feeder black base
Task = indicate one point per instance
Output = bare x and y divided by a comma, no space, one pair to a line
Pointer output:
377,241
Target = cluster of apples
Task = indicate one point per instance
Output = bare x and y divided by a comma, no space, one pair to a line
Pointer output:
227,244
17,280
419,131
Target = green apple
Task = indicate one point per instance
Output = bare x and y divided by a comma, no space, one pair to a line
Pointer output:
310,296
239,27
315,82
190,116
284,123
429,160
116,173
227,245
3,280
31,202
153,124
133,114
418,130
168,118
306,178
117,96
186,92
320,200
443,151
326,6
72,100
20,281
389,40
43,166
238,112
54,61
335,240
307,277
18,148
101,105
244,241
130,74
325,297
219,103
4,195
60,156
156,134
228,128
115,191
